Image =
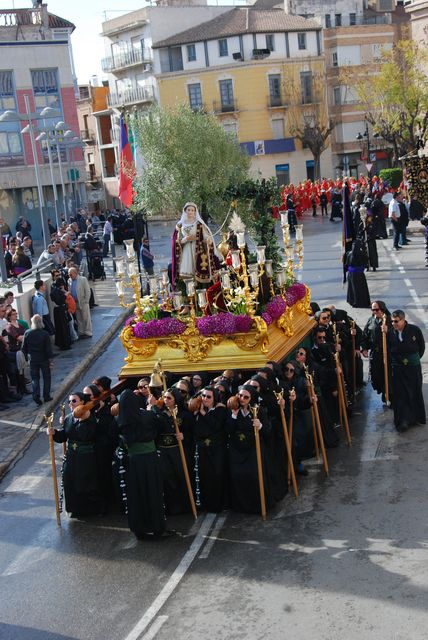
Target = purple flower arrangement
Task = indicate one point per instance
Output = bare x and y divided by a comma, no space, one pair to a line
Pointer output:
159,328
221,323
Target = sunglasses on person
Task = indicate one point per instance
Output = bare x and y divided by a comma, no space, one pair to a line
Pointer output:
143,386
375,308
206,395
183,391
289,369
169,398
244,396
301,353
72,401
396,321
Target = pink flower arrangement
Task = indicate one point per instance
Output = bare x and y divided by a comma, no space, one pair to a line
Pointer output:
296,292
218,324
267,317
276,307
243,323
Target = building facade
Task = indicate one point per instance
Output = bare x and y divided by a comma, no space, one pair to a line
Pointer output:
36,71
418,13
256,70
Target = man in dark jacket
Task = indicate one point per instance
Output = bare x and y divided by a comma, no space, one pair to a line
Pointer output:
37,345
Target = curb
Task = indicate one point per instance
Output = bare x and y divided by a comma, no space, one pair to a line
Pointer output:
63,389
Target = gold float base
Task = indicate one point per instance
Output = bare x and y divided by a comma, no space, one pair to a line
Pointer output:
192,352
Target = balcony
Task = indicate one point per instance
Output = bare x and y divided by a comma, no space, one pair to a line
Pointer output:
131,96
231,106
125,59
276,102
88,136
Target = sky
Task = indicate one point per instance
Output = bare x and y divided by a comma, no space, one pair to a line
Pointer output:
87,15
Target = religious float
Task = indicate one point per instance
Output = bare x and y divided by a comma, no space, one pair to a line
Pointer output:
251,314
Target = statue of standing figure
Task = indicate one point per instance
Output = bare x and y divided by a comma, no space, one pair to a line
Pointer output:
194,253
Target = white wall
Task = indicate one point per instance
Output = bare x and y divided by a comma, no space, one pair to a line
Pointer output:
348,55
348,131
22,59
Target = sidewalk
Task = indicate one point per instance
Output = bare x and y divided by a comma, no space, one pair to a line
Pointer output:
20,423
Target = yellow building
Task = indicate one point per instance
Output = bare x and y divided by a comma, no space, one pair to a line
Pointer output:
262,73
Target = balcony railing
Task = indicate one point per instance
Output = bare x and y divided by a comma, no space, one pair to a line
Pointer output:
230,106
131,96
126,59
20,17
87,135
276,101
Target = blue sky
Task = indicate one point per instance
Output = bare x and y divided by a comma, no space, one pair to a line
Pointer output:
88,16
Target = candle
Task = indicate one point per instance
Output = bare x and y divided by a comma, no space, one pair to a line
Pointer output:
261,254
268,268
129,244
236,262
119,288
132,268
289,250
153,285
280,278
177,300
240,236
164,274
299,232
284,218
202,298
225,279
120,266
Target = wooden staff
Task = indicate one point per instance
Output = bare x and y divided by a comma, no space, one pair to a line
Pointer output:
342,399
49,422
314,429
316,415
279,395
354,364
254,413
385,361
64,444
290,434
183,462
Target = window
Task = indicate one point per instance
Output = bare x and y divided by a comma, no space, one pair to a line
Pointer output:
338,19
352,19
336,95
195,96
334,59
10,138
226,95
270,42
46,89
275,90
301,39
327,21
278,128
191,53
231,128
282,174
222,48
306,86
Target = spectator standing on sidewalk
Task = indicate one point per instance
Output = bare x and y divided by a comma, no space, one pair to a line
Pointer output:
27,245
37,347
40,306
147,257
107,231
81,292
394,215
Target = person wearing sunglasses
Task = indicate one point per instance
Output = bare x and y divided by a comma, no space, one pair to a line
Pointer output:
79,473
174,485
406,346
295,387
143,392
244,491
372,346
210,451
144,493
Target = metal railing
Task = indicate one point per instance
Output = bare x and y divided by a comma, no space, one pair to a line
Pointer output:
276,101
126,58
36,270
225,107
131,96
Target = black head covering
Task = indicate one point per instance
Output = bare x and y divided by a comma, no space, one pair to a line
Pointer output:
178,397
252,391
262,382
104,382
129,409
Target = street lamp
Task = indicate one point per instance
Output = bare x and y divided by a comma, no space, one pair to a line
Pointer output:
366,135
46,113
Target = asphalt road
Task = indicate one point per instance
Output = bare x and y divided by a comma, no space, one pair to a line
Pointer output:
346,560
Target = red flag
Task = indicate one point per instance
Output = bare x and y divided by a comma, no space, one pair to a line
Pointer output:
127,167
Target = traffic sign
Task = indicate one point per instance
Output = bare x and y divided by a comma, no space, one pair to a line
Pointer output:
369,166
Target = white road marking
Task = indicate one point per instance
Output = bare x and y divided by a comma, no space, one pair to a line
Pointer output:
158,623
24,484
407,282
213,537
174,580
401,269
27,425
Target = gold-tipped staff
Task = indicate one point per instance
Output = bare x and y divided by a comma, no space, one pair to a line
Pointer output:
385,361
254,413
173,412
290,429
279,396
317,421
49,422
62,416
342,396
354,362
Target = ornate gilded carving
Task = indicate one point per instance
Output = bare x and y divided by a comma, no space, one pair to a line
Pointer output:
194,346
285,322
259,338
304,305
136,347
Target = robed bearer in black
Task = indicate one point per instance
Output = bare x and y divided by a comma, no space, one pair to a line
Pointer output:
406,347
372,347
